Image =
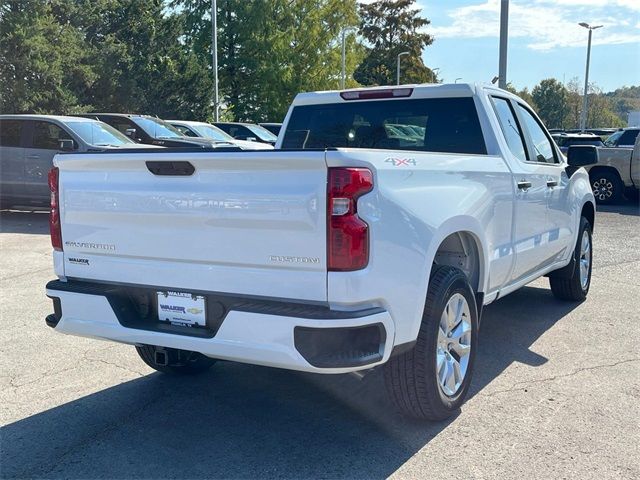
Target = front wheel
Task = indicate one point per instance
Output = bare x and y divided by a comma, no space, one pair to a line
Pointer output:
171,360
574,286
431,380
607,186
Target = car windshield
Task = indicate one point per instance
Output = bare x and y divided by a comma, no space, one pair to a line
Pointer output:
611,141
157,128
99,134
432,125
262,133
209,131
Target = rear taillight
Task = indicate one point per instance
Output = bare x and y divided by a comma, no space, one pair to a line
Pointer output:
54,215
347,234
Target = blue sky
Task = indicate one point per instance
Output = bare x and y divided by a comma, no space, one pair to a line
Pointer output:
545,40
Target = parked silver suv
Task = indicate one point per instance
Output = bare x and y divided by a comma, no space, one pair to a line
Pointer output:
28,144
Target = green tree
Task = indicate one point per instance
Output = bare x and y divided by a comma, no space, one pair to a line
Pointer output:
550,97
43,63
600,113
269,51
523,94
68,56
141,64
391,27
624,100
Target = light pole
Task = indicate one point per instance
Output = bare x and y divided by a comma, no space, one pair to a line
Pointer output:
585,100
398,66
456,80
214,54
504,34
435,76
344,56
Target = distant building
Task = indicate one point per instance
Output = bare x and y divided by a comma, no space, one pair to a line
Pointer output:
634,119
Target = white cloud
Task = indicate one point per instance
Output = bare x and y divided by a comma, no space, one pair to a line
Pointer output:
547,24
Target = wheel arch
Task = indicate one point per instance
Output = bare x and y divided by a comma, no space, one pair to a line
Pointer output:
603,168
461,243
589,212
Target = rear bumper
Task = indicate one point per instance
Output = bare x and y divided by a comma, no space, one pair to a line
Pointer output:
273,333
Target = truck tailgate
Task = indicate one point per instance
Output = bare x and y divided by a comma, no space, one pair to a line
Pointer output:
243,222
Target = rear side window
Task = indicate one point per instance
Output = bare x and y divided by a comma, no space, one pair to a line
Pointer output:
186,131
628,137
447,125
238,131
10,133
510,128
120,123
47,136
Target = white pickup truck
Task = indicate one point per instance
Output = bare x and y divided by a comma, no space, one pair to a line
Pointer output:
374,234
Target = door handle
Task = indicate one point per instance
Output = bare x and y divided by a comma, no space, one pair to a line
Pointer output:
552,183
524,185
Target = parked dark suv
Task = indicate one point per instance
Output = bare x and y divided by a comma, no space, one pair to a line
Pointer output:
565,140
247,131
152,131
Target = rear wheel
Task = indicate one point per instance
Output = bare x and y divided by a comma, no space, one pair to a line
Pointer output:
574,286
431,380
607,186
171,360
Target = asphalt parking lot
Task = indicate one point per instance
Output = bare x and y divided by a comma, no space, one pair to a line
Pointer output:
555,392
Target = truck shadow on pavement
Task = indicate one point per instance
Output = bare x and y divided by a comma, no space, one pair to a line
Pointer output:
241,421
628,208
29,221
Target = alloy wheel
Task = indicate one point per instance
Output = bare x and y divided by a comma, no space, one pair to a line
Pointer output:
603,189
585,259
454,345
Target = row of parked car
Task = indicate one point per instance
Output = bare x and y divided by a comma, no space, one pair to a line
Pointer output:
618,170
28,143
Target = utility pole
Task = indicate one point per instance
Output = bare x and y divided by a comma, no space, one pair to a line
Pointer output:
585,99
398,66
214,53
504,34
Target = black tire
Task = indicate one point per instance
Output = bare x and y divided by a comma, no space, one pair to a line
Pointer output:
568,285
411,378
607,186
180,362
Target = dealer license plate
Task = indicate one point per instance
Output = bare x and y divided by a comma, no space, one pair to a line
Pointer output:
183,309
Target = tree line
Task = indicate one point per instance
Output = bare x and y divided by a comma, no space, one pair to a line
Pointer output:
560,105
154,57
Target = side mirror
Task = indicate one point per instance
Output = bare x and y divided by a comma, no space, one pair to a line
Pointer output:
582,155
67,145
130,132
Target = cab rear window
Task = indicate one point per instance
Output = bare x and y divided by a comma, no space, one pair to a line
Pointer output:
447,125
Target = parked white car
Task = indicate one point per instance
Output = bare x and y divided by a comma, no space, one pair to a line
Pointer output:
358,246
202,129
